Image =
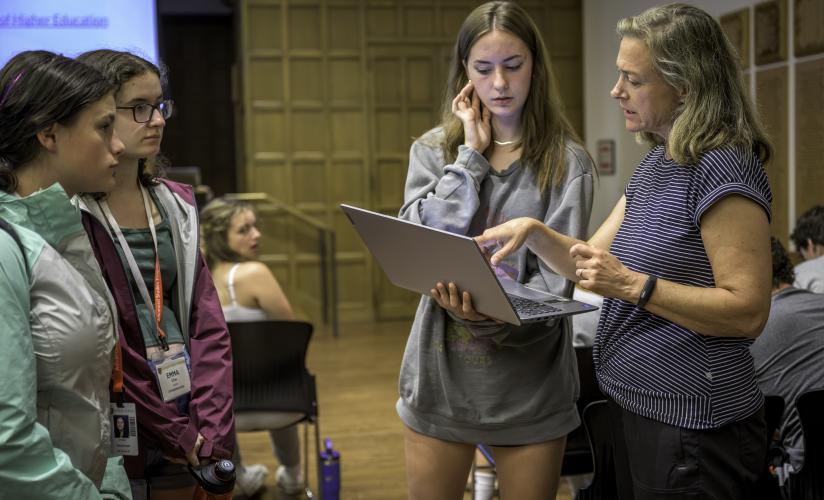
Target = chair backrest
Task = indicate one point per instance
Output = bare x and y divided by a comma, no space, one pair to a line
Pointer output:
766,486
773,409
809,481
577,455
269,366
597,424
586,374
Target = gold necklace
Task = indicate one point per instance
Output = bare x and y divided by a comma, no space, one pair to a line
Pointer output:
505,143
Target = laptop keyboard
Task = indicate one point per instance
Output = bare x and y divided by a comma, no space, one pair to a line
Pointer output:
528,307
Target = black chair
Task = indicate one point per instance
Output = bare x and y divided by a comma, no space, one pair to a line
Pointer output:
577,455
808,483
597,424
272,387
766,487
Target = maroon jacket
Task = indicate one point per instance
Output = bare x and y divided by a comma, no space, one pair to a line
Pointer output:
210,408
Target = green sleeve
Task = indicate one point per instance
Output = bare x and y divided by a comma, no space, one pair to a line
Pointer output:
30,466
115,484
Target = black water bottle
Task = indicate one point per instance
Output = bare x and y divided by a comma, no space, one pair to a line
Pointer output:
216,478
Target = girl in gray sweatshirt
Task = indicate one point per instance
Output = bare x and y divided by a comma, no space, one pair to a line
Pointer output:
503,150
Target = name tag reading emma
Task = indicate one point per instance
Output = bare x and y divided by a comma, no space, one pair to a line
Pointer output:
173,377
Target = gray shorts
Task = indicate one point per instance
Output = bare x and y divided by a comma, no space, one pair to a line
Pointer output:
160,475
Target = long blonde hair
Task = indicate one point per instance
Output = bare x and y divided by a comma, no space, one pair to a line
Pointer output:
690,51
545,128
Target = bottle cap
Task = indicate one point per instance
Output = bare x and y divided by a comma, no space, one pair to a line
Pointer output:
225,470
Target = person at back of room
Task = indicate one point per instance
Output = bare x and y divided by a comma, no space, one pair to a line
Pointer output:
504,149
249,291
789,353
145,234
808,237
59,332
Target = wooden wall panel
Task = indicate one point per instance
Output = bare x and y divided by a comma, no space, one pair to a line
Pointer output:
809,146
275,177
773,91
333,93
348,241
388,131
565,32
268,131
263,32
347,183
306,80
419,82
308,131
380,21
570,88
265,77
357,289
275,232
418,121
391,176
345,30
345,82
347,131
451,18
309,185
418,21
304,28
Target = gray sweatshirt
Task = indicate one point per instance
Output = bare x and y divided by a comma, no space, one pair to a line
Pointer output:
482,382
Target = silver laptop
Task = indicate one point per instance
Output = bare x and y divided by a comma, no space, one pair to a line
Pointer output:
417,257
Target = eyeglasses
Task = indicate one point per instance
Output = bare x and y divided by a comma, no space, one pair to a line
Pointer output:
143,112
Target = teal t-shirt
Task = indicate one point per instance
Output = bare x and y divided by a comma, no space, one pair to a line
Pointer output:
140,243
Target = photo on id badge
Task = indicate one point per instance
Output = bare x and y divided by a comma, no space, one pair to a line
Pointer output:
124,429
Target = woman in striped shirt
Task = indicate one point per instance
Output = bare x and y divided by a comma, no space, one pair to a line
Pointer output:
683,262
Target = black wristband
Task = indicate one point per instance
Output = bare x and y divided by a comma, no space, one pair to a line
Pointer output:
646,292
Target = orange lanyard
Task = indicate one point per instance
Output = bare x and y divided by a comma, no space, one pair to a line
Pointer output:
117,369
157,303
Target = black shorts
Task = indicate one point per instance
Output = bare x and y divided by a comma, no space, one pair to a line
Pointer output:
654,460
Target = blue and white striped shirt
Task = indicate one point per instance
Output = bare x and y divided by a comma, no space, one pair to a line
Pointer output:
647,364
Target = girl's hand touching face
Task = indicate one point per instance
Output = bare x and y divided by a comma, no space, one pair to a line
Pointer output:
475,117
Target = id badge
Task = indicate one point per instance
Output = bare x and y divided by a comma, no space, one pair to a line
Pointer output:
172,373
124,429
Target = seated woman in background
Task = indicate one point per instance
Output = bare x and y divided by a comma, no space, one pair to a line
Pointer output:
247,288
248,291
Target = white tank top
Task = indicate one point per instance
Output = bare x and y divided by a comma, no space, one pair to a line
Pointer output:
235,312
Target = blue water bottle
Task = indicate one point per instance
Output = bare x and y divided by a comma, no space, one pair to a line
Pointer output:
330,471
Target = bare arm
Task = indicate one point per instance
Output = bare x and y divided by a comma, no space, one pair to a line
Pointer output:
259,281
550,246
735,232
736,236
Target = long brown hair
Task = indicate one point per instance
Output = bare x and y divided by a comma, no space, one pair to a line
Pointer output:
545,128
